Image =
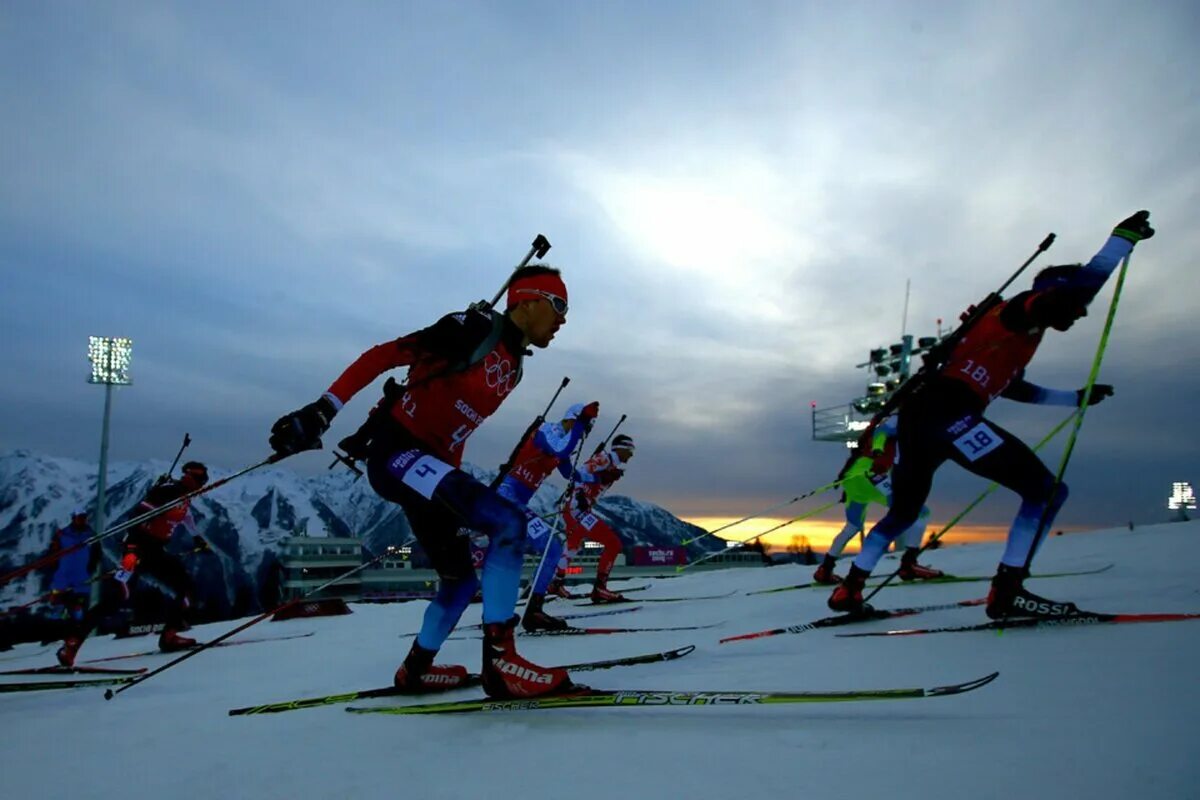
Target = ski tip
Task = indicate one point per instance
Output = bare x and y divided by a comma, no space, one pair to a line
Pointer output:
959,688
744,637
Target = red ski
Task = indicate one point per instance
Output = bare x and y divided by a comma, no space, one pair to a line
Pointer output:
57,670
850,619
1082,618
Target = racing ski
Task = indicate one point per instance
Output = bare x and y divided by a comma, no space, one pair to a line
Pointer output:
37,686
658,698
390,691
943,579
850,619
1082,618
57,670
145,653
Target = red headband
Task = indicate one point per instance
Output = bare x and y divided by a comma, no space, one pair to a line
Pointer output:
525,288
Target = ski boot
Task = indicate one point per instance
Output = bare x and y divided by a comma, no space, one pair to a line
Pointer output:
910,570
848,595
508,676
825,574
1009,598
602,595
419,675
558,588
169,641
70,648
536,619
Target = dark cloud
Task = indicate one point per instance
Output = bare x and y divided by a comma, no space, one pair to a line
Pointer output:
737,195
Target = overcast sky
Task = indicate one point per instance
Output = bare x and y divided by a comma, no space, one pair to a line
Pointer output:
736,193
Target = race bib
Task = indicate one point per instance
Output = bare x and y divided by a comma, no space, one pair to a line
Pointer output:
885,485
420,472
978,442
588,521
536,529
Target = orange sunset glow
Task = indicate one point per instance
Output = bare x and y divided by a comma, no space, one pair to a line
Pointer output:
819,532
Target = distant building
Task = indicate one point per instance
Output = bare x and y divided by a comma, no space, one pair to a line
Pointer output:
307,562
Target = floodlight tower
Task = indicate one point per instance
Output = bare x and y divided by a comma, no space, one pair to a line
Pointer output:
1182,500
110,366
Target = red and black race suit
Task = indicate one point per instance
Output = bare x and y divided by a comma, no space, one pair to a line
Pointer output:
996,349
444,402
160,527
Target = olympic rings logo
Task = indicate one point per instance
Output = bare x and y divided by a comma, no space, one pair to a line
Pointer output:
500,374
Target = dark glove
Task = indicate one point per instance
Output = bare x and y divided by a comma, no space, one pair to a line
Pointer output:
200,544
610,475
1099,392
583,503
301,430
1135,228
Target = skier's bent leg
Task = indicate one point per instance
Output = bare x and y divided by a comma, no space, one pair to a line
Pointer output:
551,556
1024,535
856,514
504,523
916,532
444,611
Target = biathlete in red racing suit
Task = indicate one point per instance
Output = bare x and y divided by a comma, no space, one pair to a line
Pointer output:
146,553
413,459
601,472
944,420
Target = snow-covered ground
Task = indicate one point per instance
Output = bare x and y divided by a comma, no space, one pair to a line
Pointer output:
1099,712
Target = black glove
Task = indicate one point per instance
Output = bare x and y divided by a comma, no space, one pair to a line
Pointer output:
610,475
301,430
200,544
1099,392
1135,228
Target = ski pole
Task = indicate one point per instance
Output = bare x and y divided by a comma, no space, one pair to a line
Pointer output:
935,359
138,520
14,609
110,694
1083,404
608,438
791,521
957,518
562,498
758,514
186,441
507,466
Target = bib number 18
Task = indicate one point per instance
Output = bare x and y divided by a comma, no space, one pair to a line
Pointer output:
978,442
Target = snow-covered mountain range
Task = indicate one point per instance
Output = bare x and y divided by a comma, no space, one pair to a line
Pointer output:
245,520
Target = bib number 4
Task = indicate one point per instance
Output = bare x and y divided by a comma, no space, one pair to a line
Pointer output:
420,472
